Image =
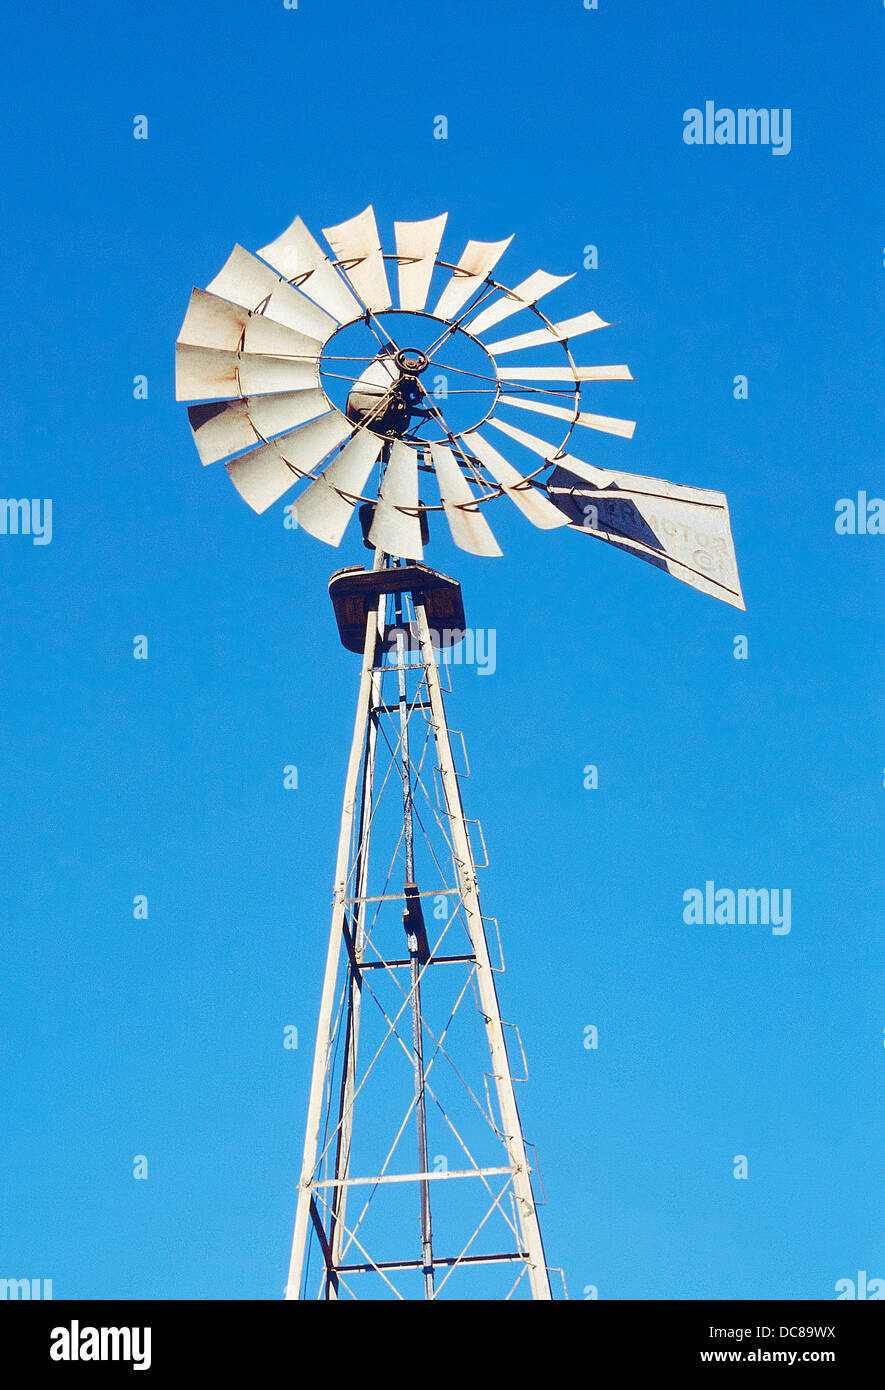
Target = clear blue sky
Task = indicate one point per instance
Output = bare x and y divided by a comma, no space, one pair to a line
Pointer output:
164,777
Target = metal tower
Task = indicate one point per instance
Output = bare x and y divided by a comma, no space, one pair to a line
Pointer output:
408,946
303,370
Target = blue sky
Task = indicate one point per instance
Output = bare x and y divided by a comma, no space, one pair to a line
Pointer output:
164,777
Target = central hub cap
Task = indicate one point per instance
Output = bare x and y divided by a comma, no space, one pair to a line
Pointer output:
411,362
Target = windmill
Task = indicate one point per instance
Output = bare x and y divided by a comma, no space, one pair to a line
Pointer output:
302,370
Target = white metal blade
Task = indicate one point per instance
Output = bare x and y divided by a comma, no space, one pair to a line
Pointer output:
520,297
478,259
540,337
298,256
246,280
417,247
470,530
566,373
210,374
265,473
224,428
217,323
533,505
551,454
393,530
374,382
685,531
606,424
357,244
321,510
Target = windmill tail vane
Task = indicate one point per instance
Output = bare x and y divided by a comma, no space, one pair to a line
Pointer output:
416,1180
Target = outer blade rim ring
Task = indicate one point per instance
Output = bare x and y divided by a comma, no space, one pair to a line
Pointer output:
486,491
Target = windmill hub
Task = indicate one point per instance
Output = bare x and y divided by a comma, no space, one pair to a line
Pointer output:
411,362
387,395
436,381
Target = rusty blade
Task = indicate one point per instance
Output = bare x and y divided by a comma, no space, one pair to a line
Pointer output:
244,279
321,510
520,297
224,428
357,245
549,452
395,531
470,530
539,510
477,260
211,374
213,322
265,473
606,424
540,337
298,256
417,247
566,372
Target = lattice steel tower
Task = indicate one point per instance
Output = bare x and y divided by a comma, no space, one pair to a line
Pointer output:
415,1178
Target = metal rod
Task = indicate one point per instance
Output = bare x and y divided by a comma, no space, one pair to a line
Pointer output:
412,1177
447,1261
324,1025
437,960
354,984
417,1028
512,1129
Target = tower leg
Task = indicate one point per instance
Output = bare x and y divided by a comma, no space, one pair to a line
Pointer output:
513,1137
306,1209
354,1001
415,943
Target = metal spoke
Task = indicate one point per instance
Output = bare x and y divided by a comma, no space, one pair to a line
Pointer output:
474,303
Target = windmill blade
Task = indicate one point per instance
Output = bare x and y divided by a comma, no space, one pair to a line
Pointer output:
478,259
212,322
298,256
244,279
209,374
520,297
357,243
559,333
265,473
393,530
226,427
606,424
372,386
417,247
470,530
683,530
533,505
567,373
321,510
598,476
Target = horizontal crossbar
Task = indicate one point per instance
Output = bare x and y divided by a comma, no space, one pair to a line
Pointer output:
438,1262
410,1177
432,960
